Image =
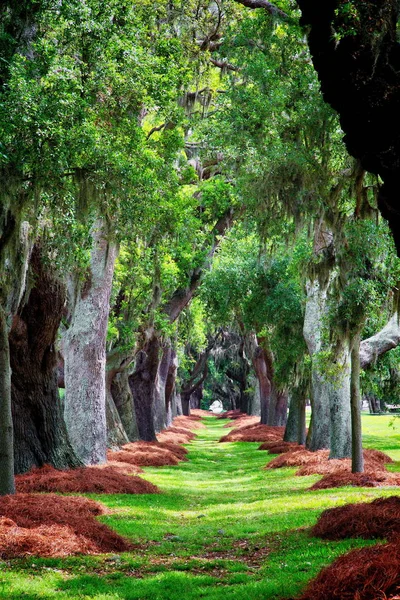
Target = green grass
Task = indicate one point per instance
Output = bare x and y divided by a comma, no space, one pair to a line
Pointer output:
223,529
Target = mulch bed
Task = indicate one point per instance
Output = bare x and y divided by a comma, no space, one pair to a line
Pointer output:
244,421
231,414
278,447
337,472
368,520
107,480
52,525
367,574
254,433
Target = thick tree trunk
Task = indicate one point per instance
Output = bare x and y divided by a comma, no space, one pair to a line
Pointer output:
160,404
116,434
123,400
357,462
319,431
264,383
14,258
254,402
40,435
185,399
339,401
143,385
277,415
85,355
170,389
295,430
177,404
374,404
7,485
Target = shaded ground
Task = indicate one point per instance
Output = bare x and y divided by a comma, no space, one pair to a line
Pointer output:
223,529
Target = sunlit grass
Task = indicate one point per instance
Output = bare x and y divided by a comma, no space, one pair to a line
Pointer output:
224,528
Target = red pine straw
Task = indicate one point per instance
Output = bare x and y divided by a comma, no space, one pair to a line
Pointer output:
244,421
145,457
366,574
107,480
54,525
254,433
275,447
367,479
231,414
369,520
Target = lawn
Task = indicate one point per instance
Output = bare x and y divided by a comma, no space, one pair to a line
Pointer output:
222,529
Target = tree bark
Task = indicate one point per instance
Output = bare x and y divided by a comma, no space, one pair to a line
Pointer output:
319,432
142,383
123,400
357,458
116,434
384,340
85,355
170,389
295,430
277,415
185,400
40,435
339,401
7,485
160,404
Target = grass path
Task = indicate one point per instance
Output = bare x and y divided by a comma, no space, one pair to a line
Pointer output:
223,529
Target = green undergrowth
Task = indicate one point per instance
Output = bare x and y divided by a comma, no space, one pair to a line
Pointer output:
223,528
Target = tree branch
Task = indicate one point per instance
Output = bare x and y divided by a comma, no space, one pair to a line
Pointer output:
271,8
386,339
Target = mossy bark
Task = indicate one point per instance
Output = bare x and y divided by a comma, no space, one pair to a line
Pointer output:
40,435
7,485
85,355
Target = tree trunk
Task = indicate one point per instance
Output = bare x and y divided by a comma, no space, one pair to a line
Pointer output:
14,258
160,404
254,402
339,400
295,430
40,435
143,385
277,415
7,485
170,389
185,399
319,432
85,355
116,434
123,400
357,458
264,383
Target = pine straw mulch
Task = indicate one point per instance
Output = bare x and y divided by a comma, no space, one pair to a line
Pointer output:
254,433
244,421
54,526
105,480
368,520
149,454
167,451
369,573
365,574
231,414
337,472
279,447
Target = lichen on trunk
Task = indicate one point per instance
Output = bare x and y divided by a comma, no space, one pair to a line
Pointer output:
84,352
